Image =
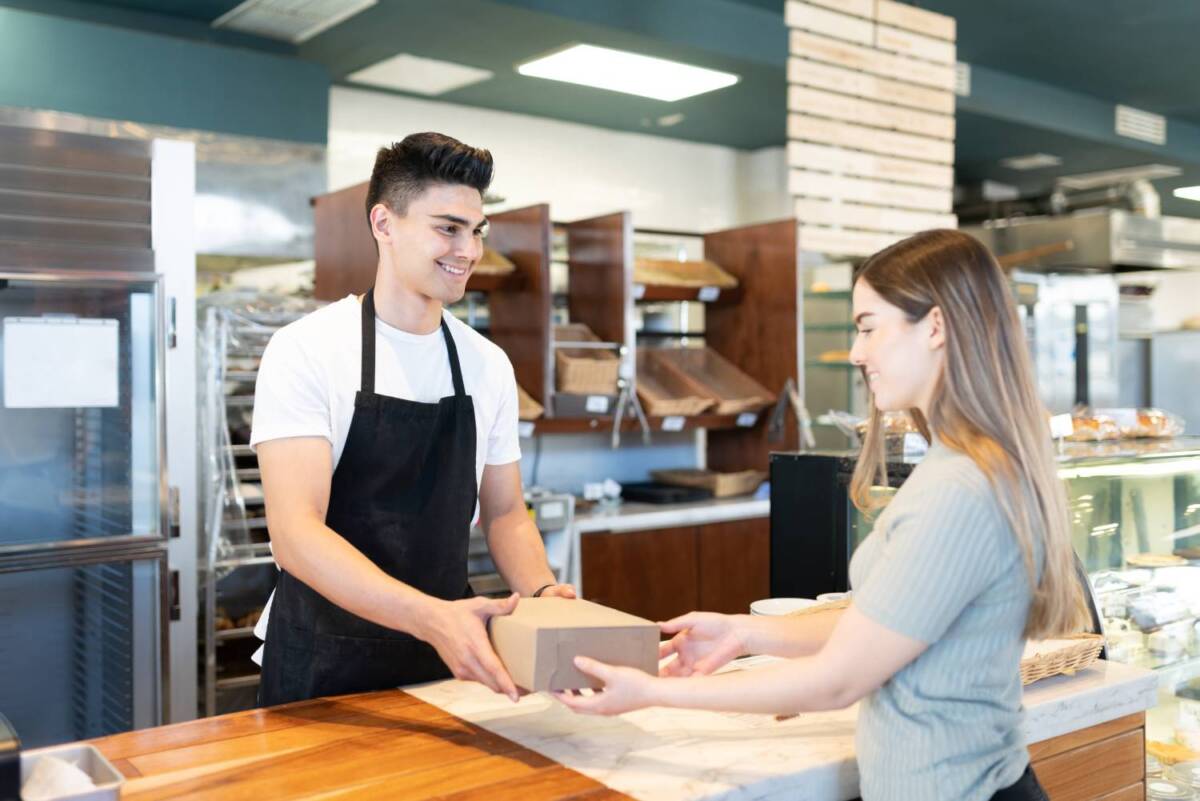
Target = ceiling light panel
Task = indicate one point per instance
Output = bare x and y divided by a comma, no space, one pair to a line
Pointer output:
1188,193
1034,161
631,73
292,21
423,76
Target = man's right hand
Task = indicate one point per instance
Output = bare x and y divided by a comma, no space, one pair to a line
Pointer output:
458,631
703,642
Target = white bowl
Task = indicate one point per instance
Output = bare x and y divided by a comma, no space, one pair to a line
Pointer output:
780,606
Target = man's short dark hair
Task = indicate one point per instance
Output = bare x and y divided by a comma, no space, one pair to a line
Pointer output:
408,168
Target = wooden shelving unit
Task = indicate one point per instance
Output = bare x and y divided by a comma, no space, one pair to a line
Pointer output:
752,325
584,425
518,303
758,334
655,292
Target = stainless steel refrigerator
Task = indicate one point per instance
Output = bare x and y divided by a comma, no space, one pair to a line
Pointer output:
85,589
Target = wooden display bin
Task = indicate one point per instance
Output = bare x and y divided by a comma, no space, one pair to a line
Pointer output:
711,376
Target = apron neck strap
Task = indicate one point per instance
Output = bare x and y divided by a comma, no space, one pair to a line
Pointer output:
455,368
367,383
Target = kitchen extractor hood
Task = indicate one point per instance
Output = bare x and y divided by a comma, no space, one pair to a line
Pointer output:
1109,240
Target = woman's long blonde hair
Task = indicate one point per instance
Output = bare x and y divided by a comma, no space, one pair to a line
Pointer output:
986,406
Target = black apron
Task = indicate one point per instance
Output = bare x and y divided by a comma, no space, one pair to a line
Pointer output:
404,494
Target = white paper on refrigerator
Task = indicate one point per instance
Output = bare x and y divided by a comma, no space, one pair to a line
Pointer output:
60,362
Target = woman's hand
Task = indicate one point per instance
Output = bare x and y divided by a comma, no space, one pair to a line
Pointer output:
625,689
703,642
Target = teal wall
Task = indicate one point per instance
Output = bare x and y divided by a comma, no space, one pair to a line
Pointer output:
96,70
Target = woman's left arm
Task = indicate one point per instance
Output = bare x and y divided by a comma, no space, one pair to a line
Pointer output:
859,657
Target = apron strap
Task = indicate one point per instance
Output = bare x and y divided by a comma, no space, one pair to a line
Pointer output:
367,384
455,368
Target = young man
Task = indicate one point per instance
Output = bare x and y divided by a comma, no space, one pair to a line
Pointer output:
383,426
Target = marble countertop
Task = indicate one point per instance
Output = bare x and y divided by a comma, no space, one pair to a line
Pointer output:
680,755
641,516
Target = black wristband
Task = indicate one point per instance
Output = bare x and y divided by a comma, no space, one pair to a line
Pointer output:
538,592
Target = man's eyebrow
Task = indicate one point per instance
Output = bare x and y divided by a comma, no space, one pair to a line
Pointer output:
858,318
459,220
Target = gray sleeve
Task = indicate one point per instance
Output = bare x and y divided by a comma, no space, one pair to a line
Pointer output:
946,546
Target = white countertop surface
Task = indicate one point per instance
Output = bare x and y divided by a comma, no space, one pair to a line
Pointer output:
641,516
678,755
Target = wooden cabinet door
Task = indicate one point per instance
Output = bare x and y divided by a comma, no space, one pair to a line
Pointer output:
735,564
651,573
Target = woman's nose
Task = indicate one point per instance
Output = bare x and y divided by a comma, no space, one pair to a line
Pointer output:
857,352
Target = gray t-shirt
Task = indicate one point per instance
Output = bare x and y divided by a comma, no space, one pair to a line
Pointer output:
943,566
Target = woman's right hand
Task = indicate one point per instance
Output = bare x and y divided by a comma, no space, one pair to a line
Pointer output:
703,642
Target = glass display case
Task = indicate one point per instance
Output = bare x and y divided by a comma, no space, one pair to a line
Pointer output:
1135,523
1135,519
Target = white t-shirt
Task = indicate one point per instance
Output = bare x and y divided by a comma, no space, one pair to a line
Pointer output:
312,369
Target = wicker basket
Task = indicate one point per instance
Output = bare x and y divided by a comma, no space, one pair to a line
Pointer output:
722,485
584,371
493,262
527,407
665,272
1083,652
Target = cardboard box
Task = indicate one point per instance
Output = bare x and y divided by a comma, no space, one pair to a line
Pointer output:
539,641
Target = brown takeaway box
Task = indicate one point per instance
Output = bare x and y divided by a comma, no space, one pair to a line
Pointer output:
539,641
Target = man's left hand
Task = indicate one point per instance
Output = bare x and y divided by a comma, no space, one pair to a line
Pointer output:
559,591
625,689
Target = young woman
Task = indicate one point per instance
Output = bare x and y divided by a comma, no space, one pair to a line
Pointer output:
971,556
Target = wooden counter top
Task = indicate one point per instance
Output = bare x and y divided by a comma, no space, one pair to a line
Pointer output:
384,745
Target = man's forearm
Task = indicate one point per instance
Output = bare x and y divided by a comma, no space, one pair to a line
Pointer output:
326,562
520,556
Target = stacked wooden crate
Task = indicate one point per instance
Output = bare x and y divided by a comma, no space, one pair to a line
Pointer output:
870,122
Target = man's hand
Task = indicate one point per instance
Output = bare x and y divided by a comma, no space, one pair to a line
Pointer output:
458,631
559,591
703,642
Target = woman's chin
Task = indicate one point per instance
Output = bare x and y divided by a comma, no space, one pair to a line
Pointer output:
884,405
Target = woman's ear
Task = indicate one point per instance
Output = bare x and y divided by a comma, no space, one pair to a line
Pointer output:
937,328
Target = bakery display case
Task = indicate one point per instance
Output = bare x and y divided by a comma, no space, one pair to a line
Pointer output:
1135,524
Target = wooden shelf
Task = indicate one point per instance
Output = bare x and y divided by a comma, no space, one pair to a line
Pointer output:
491,283
242,633
584,425
657,292
238,682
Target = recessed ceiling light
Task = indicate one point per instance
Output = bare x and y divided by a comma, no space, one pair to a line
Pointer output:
632,73
1034,161
667,120
1188,192
424,76
293,21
